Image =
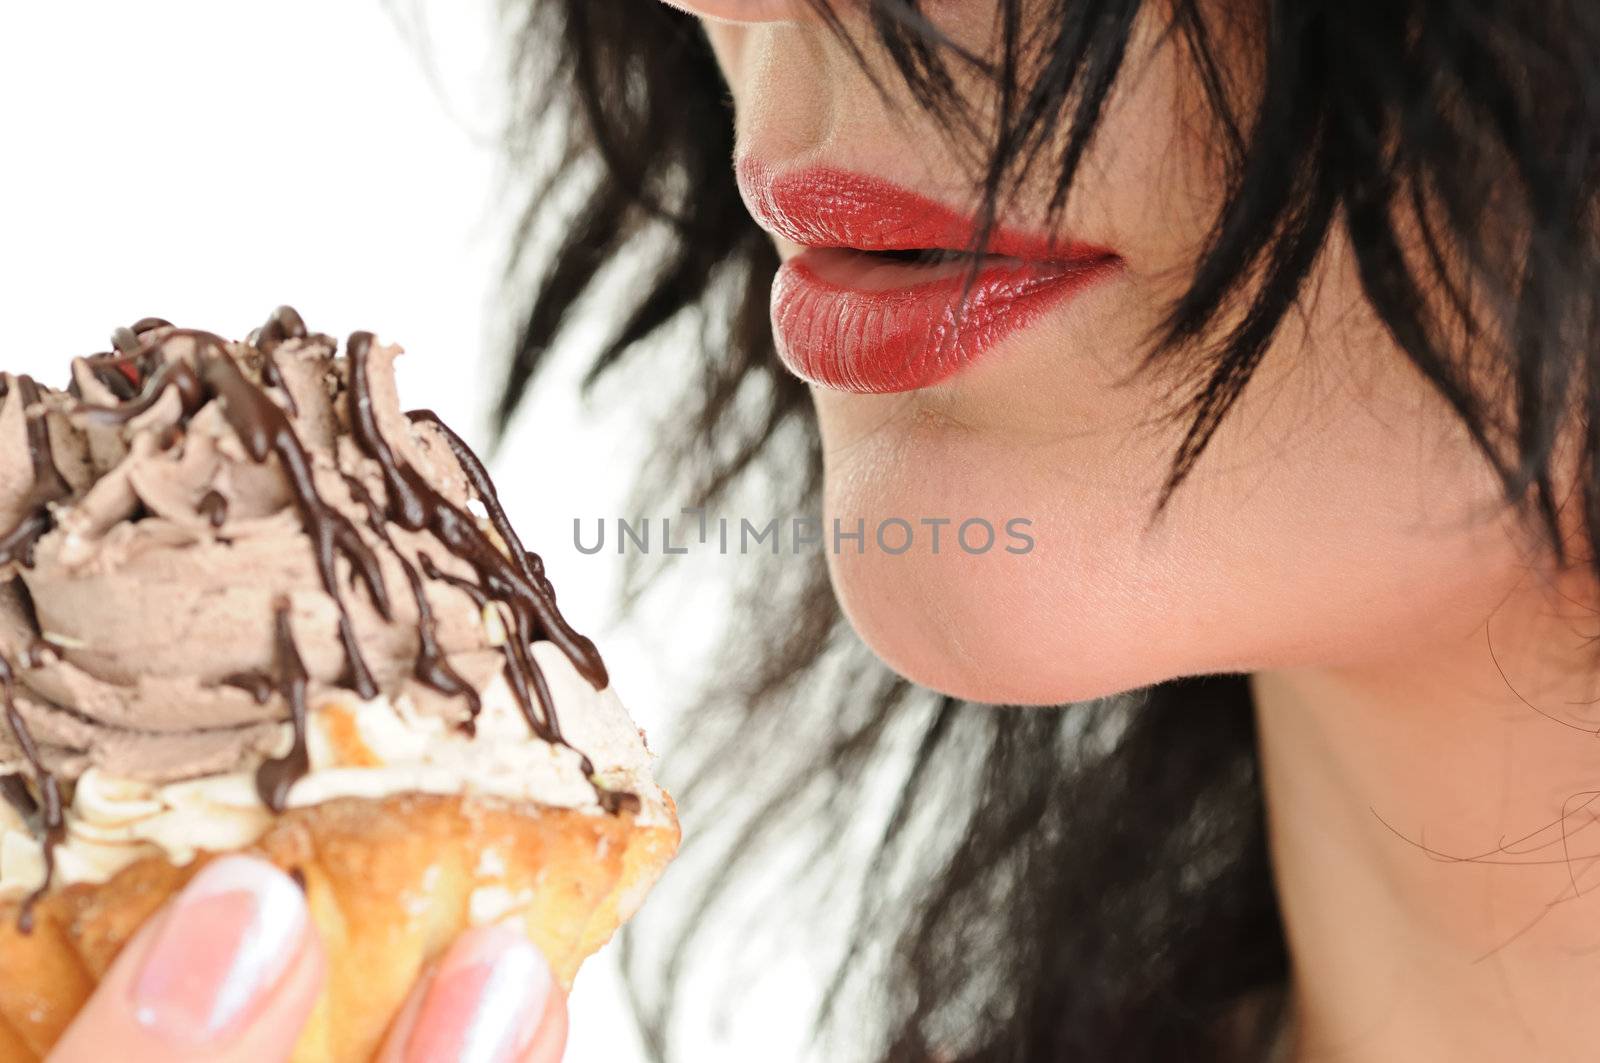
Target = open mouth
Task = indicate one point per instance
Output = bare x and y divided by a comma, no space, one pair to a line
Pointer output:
885,271
881,299
888,270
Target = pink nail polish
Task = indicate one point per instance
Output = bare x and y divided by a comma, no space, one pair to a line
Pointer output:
485,1002
229,938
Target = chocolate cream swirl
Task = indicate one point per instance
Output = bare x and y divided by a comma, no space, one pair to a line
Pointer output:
196,533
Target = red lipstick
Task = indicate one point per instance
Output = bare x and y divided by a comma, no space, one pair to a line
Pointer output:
874,302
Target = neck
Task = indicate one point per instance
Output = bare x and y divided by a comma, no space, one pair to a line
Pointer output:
1435,840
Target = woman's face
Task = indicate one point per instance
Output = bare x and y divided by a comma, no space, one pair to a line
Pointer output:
1339,516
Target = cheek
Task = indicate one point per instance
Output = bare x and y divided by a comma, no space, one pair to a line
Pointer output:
728,44
1337,518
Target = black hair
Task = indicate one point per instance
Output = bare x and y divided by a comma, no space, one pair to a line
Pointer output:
1092,881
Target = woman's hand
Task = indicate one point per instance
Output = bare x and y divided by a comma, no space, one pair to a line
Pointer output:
229,971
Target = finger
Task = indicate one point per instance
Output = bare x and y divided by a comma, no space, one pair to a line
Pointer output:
551,1040
491,999
227,972
405,1021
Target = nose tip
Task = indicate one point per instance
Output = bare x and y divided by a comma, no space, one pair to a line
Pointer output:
748,11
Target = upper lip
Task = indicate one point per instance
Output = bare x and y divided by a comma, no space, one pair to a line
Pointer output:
823,207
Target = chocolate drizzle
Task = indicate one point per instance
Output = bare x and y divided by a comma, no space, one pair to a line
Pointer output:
432,668
530,564
48,483
39,651
275,777
506,576
17,544
173,374
519,662
265,431
258,685
213,506
285,323
273,377
46,812
414,504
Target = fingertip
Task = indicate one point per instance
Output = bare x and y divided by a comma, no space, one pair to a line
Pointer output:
228,969
490,997
550,1039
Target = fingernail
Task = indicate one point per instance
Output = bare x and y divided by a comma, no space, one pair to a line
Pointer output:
486,1000
229,938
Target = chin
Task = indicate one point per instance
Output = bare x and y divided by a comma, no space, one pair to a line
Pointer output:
990,629
1058,608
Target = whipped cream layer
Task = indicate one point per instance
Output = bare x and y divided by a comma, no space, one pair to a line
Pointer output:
360,749
173,546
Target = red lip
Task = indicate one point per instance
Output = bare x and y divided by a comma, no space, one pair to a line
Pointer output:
850,317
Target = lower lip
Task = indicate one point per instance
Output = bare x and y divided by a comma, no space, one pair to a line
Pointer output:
857,322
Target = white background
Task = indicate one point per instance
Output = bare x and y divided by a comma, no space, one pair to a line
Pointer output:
206,161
